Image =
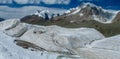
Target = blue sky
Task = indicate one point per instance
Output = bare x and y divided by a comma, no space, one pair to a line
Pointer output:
107,4
14,9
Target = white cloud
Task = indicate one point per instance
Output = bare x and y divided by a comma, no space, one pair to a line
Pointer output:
6,1
64,1
36,1
56,1
49,1
21,1
7,12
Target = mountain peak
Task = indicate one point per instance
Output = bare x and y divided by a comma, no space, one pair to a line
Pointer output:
88,5
89,11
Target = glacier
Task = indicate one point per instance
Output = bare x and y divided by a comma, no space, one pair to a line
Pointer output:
57,42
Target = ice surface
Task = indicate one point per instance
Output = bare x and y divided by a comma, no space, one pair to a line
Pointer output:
85,43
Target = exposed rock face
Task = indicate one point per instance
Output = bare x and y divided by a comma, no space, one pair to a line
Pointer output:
117,18
32,19
88,12
47,15
83,13
1,19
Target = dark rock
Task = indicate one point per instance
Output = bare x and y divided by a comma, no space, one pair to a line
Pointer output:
117,18
1,19
32,19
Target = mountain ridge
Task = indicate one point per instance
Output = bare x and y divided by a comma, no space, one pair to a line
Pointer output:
74,21
93,11
86,11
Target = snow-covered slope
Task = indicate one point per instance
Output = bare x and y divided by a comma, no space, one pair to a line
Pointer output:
111,43
8,24
96,53
49,37
108,48
56,42
9,50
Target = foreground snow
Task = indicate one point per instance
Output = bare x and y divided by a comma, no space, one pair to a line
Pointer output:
9,50
56,42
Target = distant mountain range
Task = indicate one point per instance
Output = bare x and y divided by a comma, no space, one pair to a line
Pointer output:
20,8
84,12
85,15
46,3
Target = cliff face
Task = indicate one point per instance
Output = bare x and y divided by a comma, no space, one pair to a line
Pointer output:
1,19
87,12
117,18
32,19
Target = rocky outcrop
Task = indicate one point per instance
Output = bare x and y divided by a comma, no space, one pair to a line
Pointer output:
117,17
32,19
87,12
1,19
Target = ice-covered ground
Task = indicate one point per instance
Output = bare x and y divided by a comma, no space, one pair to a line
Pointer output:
9,50
56,42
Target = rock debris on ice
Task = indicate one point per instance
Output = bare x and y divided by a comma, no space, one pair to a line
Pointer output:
57,42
